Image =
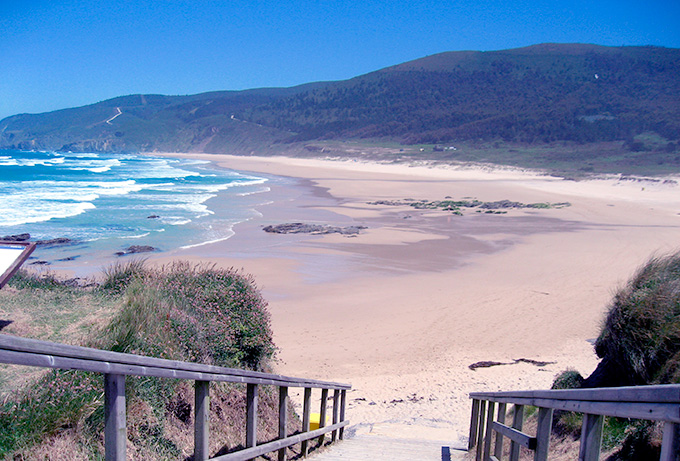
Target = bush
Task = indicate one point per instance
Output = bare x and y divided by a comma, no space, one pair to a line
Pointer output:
568,379
24,279
118,276
193,313
640,338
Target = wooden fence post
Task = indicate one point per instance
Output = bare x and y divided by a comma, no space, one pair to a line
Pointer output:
543,434
670,446
591,437
343,401
336,413
517,423
115,433
498,446
480,430
251,416
201,420
474,420
306,407
489,430
283,418
322,413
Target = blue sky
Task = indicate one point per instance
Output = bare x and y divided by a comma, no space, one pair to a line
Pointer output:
64,53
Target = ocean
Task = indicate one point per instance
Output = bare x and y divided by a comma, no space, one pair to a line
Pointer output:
104,203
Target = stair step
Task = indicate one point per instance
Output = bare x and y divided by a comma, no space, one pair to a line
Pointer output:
379,447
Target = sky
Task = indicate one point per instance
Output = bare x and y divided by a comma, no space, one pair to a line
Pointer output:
57,54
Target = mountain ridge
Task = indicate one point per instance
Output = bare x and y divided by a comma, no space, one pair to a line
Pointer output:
536,95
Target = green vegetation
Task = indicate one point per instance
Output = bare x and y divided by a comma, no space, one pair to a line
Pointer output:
181,312
456,206
574,109
641,335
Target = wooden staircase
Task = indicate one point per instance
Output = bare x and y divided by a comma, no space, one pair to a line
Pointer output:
391,441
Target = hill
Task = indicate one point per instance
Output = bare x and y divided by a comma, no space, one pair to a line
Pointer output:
538,95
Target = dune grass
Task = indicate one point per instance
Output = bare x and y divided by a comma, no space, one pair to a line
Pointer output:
641,333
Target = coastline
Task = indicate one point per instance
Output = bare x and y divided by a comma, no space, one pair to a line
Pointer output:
404,308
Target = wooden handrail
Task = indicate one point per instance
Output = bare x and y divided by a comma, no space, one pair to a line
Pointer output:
656,403
116,365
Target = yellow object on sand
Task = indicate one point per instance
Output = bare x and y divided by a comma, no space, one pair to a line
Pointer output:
314,419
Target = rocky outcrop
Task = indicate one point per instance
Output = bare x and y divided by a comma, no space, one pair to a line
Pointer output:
55,241
47,242
16,238
134,249
315,229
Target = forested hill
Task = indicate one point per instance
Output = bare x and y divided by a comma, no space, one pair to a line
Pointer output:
533,95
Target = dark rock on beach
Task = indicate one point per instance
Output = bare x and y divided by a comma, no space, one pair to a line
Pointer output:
48,242
17,237
134,249
55,241
489,363
316,229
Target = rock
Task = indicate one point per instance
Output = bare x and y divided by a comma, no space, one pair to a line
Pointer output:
16,238
486,364
136,249
56,241
316,229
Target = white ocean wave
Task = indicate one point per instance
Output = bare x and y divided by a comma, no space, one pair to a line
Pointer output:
254,192
94,166
161,168
8,161
116,193
30,162
42,212
208,242
177,221
138,236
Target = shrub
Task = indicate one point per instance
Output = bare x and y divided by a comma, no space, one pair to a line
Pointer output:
640,338
118,276
194,313
24,279
568,379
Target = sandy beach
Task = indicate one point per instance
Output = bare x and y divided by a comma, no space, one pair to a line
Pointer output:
402,309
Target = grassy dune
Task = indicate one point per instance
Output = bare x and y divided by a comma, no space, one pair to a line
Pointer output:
181,312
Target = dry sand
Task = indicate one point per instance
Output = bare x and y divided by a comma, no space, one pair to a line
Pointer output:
401,310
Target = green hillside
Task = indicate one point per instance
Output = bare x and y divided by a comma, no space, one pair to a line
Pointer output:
539,96
544,93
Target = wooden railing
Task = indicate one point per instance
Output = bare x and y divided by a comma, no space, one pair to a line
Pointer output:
116,366
488,428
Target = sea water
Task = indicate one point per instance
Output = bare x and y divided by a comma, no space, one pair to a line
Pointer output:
104,203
